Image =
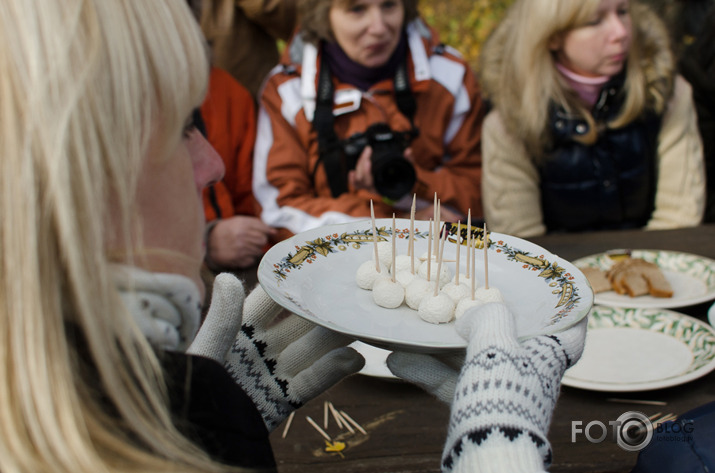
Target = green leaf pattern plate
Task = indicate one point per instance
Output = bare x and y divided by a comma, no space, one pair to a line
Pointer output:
692,278
637,349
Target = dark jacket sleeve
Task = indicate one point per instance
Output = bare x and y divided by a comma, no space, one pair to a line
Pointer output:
211,410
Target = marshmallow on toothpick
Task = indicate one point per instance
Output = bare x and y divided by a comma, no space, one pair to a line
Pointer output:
387,292
437,307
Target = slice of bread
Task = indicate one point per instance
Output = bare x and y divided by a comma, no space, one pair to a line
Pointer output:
597,278
637,277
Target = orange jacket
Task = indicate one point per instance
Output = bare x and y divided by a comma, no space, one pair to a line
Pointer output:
447,151
229,113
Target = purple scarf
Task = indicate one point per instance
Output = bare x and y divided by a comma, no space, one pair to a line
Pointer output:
347,70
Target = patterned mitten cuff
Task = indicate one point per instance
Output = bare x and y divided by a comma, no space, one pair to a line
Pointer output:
282,361
506,392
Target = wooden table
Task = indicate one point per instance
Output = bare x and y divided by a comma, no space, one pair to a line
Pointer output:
406,427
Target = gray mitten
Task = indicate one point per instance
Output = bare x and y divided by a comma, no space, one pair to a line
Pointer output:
280,360
506,393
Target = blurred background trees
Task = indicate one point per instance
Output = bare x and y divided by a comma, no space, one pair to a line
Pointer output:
464,24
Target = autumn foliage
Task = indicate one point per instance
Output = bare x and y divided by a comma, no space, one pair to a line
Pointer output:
464,24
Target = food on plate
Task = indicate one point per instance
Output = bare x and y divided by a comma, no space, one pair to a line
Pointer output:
457,291
437,309
388,293
366,275
630,276
416,290
597,278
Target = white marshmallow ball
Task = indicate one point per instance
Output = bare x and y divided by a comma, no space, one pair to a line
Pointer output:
405,277
444,275
465,304
457,291
388,294
437,309
416,290
384,255
491,294
366,275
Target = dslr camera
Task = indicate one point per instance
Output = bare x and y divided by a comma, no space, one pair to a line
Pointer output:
392,174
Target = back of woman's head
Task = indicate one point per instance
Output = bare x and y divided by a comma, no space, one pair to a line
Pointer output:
84,84
314,17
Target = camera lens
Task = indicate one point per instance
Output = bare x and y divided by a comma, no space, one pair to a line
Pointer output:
393,176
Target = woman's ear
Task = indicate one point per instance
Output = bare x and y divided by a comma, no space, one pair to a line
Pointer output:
556,42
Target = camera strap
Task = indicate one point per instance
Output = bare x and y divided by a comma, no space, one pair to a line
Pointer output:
329,146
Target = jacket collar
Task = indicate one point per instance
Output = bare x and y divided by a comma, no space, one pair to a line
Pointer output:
417,31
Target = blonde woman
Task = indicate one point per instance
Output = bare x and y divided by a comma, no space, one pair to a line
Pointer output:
102,242
591,127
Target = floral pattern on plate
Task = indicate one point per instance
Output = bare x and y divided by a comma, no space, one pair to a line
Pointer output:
313,275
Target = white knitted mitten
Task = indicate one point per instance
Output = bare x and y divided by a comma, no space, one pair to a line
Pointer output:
506,393
280,360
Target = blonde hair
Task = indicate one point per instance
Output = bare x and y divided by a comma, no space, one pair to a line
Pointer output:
520,79
314,17
84,84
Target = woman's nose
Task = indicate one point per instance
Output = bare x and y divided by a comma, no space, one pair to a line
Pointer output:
208,165
619,28
377,23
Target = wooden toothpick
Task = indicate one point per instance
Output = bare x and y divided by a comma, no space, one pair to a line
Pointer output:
486,265
459,243
374,237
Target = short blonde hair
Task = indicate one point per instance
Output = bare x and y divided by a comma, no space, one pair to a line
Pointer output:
84,84
314,17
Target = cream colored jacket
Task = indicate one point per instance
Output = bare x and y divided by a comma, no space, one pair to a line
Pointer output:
510,179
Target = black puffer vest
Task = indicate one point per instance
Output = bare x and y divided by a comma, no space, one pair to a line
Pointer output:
607,185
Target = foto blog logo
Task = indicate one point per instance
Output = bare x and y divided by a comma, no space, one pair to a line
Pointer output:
632,431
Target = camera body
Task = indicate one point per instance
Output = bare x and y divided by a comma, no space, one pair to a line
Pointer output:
392,174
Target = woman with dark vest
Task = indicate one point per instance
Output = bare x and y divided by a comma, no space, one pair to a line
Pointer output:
591,127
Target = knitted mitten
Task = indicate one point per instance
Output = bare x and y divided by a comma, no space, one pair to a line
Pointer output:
280,360
506,393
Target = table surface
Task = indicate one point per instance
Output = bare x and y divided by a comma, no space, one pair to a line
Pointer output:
406,427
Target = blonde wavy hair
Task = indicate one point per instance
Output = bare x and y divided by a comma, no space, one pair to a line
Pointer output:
519,77
84,84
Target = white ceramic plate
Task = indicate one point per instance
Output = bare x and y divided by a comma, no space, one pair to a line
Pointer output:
691,277
642,349
375,360
711,315
313,275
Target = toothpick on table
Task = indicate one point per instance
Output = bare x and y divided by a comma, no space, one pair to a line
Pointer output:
317,427
288,423
637,401
325,414
439,264
374,237
352,421
336,416
486,265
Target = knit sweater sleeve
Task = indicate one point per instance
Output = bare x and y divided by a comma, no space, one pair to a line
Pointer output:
510,182
680,196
